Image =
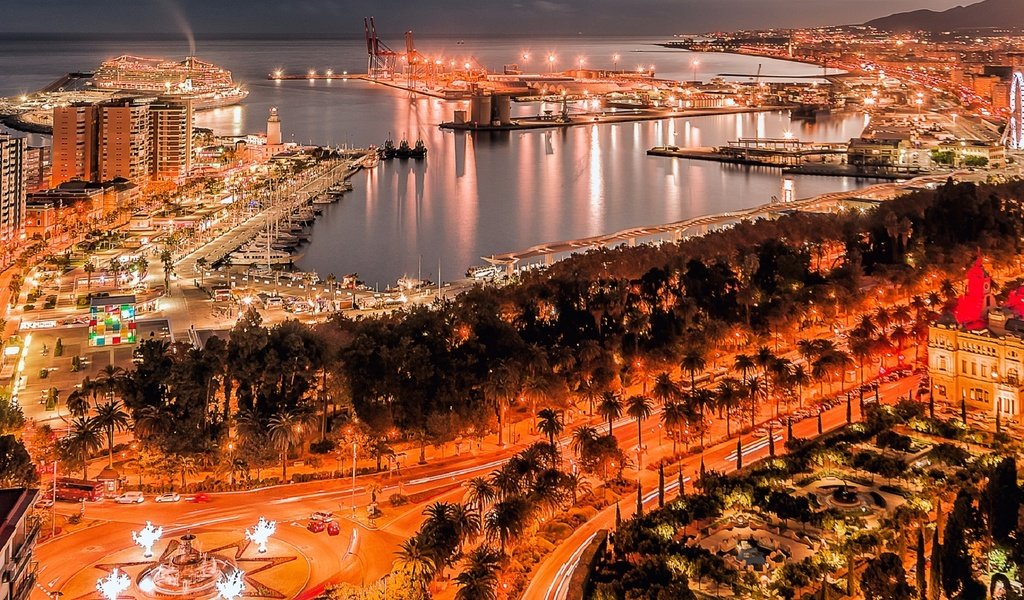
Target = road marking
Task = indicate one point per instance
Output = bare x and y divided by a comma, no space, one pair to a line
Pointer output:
200,524
753,447
559,586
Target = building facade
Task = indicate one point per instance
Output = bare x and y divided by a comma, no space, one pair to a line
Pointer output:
172,140
976,354
37,167
18,534
136,139
75,144
125,141
12,196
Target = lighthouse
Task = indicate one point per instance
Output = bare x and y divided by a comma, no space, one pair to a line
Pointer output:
273,128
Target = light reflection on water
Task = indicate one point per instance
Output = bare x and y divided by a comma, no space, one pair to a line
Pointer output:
475,194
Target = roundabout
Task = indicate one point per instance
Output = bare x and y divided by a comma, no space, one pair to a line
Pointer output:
190,566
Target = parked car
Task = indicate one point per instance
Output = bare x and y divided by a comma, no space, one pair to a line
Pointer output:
168,497
320,515
44,502
200,497
315,526
130,498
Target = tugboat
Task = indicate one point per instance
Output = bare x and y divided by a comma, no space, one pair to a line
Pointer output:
388,150
419,151
404,151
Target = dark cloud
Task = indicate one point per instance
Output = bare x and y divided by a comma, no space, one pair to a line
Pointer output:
462,17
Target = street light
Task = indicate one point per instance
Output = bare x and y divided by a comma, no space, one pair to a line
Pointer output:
694,63
551,63
615,61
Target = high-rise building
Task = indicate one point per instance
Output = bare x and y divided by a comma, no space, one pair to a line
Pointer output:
37,168
273,128
125,141
100,142
12,195
75,143
172,139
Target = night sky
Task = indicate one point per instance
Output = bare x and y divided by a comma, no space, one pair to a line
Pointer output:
343,18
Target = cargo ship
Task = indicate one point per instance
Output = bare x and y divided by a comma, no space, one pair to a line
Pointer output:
206,84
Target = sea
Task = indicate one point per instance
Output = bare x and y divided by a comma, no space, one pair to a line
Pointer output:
475,194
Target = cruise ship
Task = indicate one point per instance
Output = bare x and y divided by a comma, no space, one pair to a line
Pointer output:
206,84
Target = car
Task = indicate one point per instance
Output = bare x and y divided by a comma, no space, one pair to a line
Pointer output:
320,515
130,498
168,497
315,526
333,528
200,497
44,502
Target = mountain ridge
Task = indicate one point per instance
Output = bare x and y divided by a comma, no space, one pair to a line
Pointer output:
980,15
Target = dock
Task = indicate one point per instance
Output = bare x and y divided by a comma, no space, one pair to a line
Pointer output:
765,152
599,117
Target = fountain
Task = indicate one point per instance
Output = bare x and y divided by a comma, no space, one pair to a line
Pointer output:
231,586
146,537
261,533
187,572
111,586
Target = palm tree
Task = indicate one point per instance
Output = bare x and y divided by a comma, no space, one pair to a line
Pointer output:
743,364
111,417
110,380
861,350
480,493
674,417
285,429
693,362
414,558
89,267
588,392
576,484
507,520
755,389
201,267
610,408
582,439
500,385
479,580
639,407
728,398
82,439
550,424
77,403
799,377
665,389
467,523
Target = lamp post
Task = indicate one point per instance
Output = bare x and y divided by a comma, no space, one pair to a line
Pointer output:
694,63
615,62
551,63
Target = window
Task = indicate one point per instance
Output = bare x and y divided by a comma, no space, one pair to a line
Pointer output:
963,366
942,363
974,368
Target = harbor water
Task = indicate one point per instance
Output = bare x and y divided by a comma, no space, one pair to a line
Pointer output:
483,193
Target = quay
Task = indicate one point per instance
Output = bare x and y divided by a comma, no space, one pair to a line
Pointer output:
768,152
792,156
546,254
591,118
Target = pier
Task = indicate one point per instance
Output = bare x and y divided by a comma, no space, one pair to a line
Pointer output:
546,254
769,152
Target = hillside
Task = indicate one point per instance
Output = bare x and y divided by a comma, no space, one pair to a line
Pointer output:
985,14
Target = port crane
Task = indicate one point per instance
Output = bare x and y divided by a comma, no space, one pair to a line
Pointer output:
381,59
